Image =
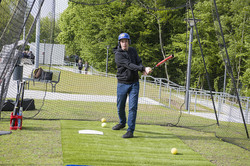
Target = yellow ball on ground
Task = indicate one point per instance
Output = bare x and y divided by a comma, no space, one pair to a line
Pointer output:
104,125
174,151
103,120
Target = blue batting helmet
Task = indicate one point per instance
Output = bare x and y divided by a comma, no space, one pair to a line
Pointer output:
124,36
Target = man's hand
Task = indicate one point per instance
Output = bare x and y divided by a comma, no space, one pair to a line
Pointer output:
147,71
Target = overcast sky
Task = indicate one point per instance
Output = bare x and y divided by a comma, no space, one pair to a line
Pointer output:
61,5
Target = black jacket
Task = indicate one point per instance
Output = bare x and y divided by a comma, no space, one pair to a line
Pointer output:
80,65
128,64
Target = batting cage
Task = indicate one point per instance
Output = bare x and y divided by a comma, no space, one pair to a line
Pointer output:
41,50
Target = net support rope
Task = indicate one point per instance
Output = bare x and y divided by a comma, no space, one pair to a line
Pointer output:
229,68
207,76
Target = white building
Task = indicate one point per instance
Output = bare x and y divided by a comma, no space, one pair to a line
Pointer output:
47,56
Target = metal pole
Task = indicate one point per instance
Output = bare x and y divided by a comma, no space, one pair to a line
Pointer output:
24,28
230,111
44,51
246,114
189,100
219,106
189,67
169,102
195,101
1,96
160,91
37,38
53,30
225,77
144,86
107,60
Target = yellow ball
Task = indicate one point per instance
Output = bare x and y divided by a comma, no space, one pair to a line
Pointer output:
104,125
174,151
103,120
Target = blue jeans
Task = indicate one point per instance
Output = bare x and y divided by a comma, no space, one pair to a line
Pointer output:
123,90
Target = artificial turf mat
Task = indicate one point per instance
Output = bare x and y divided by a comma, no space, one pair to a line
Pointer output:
150,146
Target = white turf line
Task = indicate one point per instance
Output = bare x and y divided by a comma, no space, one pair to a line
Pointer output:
90,132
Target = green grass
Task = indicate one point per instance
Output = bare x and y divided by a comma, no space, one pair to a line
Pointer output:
38,143
75,83
215,150
43,142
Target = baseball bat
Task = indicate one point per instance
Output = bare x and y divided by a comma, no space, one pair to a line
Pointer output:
22,94
21,104
163,61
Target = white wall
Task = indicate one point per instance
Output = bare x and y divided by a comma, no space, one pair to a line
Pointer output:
56,56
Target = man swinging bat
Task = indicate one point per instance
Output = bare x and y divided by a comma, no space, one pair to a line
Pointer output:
128,64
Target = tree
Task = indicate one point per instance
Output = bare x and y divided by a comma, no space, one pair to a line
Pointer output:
235,25
86,30
90,29
10,12
46,28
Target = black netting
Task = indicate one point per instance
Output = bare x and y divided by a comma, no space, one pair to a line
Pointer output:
89,94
